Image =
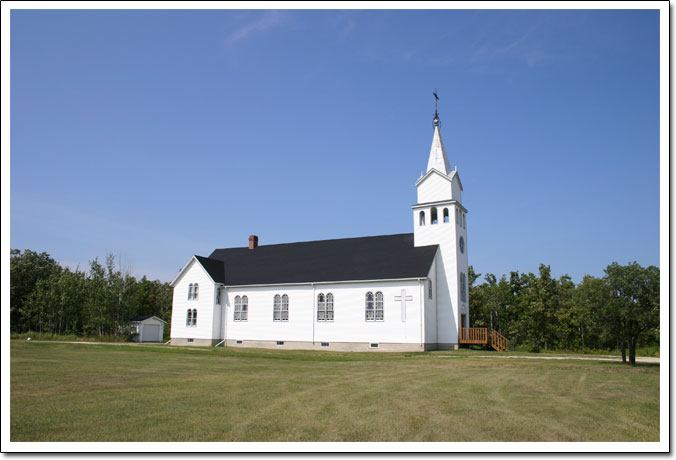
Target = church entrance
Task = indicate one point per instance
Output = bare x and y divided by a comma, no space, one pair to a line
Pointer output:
463,318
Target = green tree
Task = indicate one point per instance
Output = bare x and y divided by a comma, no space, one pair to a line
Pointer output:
634,303
25,270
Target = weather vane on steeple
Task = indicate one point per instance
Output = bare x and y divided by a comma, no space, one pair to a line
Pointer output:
436,114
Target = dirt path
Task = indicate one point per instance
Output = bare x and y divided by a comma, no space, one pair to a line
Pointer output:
639,359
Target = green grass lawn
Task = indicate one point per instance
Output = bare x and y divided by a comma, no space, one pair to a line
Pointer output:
78,392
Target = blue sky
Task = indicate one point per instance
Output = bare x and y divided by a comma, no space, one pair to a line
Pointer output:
156,134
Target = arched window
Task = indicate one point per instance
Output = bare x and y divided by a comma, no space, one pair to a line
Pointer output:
321,307
190,291
188,318
325,307
370,307
433,218
285,307
194,317
422,217
457,216
380,310
277,308
245,308
329,307
195,292
446,218
463,287
464,222
238,309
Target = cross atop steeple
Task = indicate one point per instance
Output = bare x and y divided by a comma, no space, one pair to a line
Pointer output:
438,159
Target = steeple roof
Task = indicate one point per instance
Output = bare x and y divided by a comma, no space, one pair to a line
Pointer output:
438,159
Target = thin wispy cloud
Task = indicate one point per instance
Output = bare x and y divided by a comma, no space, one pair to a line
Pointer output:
267,21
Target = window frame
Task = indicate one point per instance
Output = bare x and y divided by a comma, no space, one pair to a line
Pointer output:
237,314
245,308
325,307
285,307
370,306
374,307
277,308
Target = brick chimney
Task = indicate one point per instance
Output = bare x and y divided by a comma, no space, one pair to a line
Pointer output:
253,241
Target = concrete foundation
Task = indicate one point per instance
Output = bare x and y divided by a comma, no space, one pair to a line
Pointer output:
327,346
195,342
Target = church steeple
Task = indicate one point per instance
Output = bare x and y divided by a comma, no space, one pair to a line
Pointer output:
438,159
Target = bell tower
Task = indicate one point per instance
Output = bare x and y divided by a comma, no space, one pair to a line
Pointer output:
440,218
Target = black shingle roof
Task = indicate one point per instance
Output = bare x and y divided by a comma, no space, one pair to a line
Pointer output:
215,268
348,259
140,317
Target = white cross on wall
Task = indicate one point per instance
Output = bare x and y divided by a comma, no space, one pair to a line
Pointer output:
403,298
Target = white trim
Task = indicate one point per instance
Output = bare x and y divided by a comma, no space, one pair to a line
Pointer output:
156,317
310,283
429,173
440,203
448,177
185,267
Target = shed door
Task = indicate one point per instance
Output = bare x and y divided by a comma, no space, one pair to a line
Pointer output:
151,332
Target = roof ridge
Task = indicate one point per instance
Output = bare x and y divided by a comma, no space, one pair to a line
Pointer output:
318,241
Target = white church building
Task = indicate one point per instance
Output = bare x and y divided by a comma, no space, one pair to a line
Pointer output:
404,292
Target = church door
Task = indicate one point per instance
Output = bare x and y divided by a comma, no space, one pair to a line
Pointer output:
463,319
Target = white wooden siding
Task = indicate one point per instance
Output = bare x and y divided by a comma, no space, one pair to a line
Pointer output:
204,329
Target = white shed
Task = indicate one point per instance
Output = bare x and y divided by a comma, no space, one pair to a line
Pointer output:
148,328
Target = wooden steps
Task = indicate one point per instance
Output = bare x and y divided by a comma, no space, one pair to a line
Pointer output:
483,336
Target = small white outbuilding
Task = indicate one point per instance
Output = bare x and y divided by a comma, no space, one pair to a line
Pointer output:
147,328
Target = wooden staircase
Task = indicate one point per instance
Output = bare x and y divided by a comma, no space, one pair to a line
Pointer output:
483,336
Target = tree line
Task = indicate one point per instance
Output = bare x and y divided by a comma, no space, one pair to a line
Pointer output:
619,311
46,297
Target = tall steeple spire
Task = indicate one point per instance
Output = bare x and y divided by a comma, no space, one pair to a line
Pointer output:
438,159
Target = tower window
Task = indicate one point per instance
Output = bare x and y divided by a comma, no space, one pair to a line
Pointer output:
429,289
446,218
422,218
464,222
463,287
433,218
